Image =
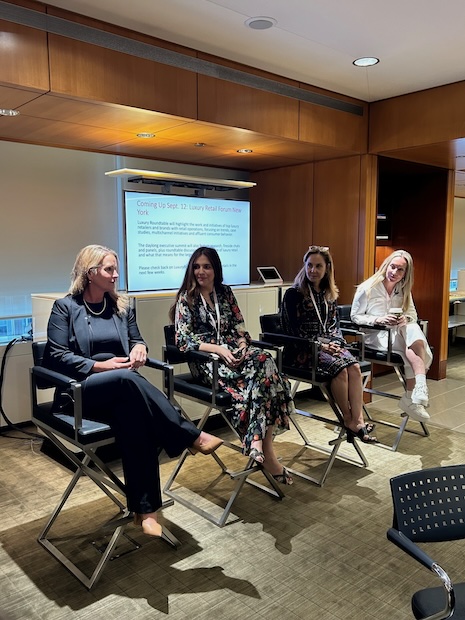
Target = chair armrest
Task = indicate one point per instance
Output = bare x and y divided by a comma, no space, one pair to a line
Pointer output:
200,356
204,356
359,343
381,328
413,550
284,339
276,348
151,362
55,379
168,371
405,544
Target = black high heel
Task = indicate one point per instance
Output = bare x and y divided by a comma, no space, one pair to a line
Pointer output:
362,434
370,426
284,477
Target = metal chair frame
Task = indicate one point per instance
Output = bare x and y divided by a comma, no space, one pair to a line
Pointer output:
392,360
68,430
310,377
215,400
429,506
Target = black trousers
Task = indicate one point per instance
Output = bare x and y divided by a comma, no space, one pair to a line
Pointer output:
143,421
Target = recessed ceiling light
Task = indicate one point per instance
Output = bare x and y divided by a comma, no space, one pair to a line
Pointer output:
7,112
260,23
244,151
366,61
146,135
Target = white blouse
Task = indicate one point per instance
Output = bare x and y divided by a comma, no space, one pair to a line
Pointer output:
370,304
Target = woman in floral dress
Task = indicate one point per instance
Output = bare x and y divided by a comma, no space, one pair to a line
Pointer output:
310,312
207,318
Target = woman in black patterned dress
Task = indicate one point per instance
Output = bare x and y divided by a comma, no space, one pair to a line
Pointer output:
310,311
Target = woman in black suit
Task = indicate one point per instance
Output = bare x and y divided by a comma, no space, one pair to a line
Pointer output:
93,337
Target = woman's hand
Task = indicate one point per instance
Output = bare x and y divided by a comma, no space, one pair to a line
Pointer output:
229,357
390,319
114,363
138,356
333,348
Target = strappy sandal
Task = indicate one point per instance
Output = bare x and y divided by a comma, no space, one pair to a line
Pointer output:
370,426
257,455
362,434
284,477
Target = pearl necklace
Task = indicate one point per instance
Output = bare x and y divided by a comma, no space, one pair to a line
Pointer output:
93,311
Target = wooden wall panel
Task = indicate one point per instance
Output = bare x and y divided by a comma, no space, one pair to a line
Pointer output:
321,125
282,211
225,103
426,117
23,53
422,225
336,218
90,72
367,216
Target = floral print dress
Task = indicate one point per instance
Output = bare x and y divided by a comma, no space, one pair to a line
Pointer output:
300,318
260,394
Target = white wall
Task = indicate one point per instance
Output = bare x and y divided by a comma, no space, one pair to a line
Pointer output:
54,202
458,244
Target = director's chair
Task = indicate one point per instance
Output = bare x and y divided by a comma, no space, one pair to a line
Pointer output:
214,399
272,332
392,360
79,440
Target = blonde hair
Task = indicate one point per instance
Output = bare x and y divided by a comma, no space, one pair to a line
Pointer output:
405,284
89,259
328,283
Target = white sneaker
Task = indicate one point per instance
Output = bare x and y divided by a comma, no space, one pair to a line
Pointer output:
420,394
413,410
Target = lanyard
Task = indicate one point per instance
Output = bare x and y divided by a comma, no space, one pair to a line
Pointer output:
215,323
317,310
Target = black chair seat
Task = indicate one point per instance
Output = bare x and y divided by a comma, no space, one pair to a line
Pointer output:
90,432
305,374
431,601
185,384
381,356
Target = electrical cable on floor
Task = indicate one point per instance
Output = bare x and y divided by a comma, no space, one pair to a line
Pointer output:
9,423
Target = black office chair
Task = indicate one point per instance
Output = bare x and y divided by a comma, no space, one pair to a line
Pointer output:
79,440
391,360
272,332
429,506
214,399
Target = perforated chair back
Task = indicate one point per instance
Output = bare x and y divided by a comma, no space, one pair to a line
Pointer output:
429,505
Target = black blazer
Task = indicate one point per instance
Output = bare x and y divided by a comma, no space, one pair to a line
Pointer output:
68,347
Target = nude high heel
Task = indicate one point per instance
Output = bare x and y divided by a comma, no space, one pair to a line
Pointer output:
206,448
149,527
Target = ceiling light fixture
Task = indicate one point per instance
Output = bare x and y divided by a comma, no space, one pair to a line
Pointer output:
366,61
7,112
179,178
244,151
260,23
146,136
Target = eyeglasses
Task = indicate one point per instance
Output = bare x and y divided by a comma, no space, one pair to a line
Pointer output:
318,248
